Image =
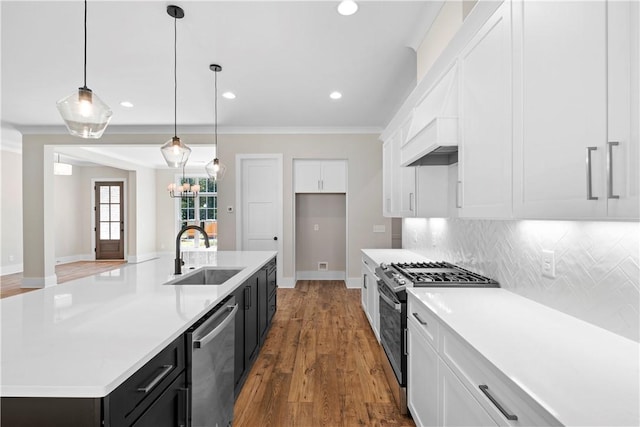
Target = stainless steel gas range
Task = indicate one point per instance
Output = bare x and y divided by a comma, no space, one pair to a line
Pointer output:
394,279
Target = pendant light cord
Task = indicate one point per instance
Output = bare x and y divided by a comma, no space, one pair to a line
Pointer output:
175,77
85,44
215,113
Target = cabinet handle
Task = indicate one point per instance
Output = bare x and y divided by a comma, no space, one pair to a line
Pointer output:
322,184
405,341
610,146
485,390
163,373
589,189
411,202
319,188
422,322
364,281
458,185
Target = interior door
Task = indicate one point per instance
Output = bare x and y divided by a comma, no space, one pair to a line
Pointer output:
261,217
109,229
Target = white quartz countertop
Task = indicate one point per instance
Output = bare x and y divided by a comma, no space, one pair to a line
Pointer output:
582,374
393,255
85,337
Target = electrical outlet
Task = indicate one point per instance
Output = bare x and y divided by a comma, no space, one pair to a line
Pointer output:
316,227
12,258
548,264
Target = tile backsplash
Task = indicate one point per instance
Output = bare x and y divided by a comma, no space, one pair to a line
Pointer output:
597,263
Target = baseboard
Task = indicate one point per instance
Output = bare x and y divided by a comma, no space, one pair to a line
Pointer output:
354,282
135,259
11,269
287,282
75,258
39,282
320,275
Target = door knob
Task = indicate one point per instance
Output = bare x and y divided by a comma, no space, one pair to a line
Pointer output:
275,238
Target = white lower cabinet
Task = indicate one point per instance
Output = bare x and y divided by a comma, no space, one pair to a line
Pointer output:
450,384
458,407
422,382
369,295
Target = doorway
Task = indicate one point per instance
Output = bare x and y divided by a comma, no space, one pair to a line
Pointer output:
109,220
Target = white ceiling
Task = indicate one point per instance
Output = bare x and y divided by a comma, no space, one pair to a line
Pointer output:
282,59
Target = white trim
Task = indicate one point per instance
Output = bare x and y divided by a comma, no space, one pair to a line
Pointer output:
280,201
11,269
125,207
354,282
39,282
75,258
135,259
321,275
287,283
207,130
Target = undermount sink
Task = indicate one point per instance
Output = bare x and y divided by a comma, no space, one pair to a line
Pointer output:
207,276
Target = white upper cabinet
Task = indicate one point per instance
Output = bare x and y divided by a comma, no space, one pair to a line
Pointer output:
575,151
399,188
484,156
320,176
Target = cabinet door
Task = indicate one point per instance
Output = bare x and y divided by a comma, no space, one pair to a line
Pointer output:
485,121
307,176
561,108
387,177
623,169
169,410
422,379
334,176
403,183
251,333
263,301
457,406
364,292
239,365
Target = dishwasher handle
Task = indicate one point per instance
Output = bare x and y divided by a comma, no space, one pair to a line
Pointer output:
231,312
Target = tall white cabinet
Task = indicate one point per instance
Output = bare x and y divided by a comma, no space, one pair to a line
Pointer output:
576,155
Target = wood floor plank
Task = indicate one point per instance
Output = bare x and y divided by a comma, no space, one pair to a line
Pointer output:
321,365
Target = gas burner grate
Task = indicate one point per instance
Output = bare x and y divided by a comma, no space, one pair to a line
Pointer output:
441,274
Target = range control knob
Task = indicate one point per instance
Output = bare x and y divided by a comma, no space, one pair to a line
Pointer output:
384,266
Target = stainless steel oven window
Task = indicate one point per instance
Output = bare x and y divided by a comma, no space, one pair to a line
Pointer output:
391,330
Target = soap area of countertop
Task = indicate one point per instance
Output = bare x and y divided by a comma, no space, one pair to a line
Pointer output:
85,337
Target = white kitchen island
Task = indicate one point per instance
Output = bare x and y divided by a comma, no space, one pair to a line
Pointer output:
83,338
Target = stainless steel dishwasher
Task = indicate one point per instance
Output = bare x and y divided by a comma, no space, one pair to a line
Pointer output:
210,364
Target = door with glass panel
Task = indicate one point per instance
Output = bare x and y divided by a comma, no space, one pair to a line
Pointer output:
109,220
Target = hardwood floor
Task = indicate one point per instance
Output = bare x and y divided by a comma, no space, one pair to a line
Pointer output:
320,365
10,283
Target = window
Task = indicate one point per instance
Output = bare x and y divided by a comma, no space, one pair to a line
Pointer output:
201,210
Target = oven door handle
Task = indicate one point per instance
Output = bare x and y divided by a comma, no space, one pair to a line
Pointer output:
396,307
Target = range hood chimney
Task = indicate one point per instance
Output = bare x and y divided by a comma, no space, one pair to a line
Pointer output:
432,138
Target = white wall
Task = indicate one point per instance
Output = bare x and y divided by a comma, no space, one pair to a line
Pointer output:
11,212
598,278
328,242
71,222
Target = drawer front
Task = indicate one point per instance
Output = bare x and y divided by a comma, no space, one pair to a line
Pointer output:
145,385
424,319
506,403
272,283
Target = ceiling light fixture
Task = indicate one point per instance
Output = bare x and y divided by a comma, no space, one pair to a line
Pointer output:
229,95
183,191
62,168
174,151
126,104
347,7
335,95
214,168
83,112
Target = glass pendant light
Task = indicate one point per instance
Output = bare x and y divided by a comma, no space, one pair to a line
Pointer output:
175,152
214,168
84,113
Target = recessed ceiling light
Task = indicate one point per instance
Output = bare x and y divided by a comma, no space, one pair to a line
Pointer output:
335,95
347,7
126,104
229,95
